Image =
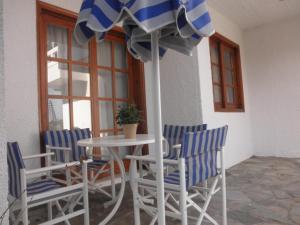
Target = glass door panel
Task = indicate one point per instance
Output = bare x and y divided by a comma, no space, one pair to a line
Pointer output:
81,81
104,54
58,114
120,56
80,52
57,42
121,85
105,84
57,78
82,114
106,115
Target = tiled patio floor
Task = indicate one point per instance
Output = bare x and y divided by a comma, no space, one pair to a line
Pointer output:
261,191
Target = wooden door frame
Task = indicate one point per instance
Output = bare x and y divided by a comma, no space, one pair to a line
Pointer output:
137,68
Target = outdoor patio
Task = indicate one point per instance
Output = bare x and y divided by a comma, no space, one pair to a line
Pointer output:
261,191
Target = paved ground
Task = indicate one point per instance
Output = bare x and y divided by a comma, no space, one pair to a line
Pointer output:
261,191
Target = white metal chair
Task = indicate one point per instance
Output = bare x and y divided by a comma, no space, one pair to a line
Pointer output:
197,163
64,144
31,188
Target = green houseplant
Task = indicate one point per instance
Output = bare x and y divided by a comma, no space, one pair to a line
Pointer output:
129,117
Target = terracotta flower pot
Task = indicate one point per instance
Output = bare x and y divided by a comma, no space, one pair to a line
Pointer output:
130,130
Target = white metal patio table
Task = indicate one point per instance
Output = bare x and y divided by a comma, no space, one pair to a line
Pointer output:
111,144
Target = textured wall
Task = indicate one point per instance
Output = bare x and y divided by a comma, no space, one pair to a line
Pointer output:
239,142
273,60
3,166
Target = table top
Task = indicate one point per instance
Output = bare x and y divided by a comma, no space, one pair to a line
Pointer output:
117,141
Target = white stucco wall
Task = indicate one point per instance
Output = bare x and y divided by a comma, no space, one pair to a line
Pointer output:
3,164
180,89
273,64
239,142
21,68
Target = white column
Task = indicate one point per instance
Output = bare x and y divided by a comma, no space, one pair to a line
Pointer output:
3,168
158,127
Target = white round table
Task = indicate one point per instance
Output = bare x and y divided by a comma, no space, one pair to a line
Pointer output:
111,144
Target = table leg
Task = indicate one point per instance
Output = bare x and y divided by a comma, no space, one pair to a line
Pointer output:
120,196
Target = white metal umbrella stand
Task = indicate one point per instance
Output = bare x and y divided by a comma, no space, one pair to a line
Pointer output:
158,127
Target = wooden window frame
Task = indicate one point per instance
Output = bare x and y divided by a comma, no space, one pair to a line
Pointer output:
224,106
136,86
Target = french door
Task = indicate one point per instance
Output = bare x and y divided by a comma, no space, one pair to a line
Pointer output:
84,85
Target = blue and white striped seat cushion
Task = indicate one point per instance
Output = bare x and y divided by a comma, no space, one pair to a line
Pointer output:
78,134
58,138
97,163
15,164
199,149
174,178
174,133
41,186
197,169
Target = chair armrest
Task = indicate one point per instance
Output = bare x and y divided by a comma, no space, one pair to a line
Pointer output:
37,156
151,159
56,167
178,146
58,148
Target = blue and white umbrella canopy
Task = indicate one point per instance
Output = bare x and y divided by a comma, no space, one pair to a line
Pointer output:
151,27
182,23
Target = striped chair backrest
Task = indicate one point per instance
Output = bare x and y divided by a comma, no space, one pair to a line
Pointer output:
174,133
15,164
200,152
76,135
58,138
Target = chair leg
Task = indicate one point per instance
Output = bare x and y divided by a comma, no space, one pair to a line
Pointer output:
50,213
112,177
86,196
183,193
210,194
224,198
134,186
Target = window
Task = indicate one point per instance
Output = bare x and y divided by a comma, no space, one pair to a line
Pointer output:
83,86
226,75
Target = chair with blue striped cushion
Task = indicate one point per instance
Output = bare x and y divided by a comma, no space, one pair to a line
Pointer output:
64,144
59,142
174,133
197,163
40,190
78,134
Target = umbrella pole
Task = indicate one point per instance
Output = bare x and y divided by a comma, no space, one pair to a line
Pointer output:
158,127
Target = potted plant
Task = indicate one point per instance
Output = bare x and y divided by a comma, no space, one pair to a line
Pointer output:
128,117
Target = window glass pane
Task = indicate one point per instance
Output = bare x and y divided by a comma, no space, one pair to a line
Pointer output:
229,77
80,81
120,56
57,78
106,115
216,74
104,53
57,42
121,85
217,94
58,114
214,52
104,84
230,95
80,52
228,59
82,114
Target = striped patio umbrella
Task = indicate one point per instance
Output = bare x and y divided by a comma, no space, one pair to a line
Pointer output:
151,27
